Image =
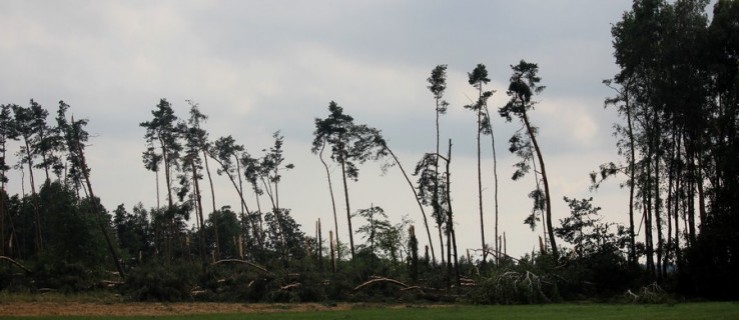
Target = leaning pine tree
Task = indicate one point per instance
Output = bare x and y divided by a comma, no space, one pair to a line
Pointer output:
524,84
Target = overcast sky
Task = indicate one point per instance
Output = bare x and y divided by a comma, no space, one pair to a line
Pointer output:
256,67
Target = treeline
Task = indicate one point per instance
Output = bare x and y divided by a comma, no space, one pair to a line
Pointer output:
677,95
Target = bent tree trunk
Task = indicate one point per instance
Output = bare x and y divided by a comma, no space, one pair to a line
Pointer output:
333,200
97,213
545,181
418,201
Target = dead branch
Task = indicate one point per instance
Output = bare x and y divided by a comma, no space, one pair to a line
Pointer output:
412,288
377,279
198,292
251,264
16,263
291,286
493,252
111,283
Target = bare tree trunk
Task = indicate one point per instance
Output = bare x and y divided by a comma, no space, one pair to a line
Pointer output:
648,239
333,201
415,196
241,198
331,249
547,195
479,184
632,184
495,178
217,252
97,212
156,176
199,208
37,214
437,205
319,245
658,199
348,210
450,215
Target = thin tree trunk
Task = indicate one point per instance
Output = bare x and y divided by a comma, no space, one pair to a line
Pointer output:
415,196
156,176
37,214
97,212
678,198
544,179
632,184
319,245
450,215
657,194
495,178
333,200
348,210
213,202
479,183
331,249
436,204
648,215
199,202
241,198
2,200
277,191
694,182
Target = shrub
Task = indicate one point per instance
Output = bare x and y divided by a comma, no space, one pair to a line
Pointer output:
157,282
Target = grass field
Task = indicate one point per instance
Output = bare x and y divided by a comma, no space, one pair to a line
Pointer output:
708,310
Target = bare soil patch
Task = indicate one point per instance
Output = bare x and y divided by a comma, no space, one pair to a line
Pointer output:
152,309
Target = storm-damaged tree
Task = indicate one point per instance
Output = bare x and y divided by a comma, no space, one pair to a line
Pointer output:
626,147
487,129
331,193
195,141
437,85
73,177
75,136
227,154
351,144
477,78
524,84
271,165
163,141
25,127
253,173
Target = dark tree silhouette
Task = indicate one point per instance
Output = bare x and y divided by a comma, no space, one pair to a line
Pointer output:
477,78
524,84
351,144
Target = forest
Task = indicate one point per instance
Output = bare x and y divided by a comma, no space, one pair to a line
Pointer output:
677,144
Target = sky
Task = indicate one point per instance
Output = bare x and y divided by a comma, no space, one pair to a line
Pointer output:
255,67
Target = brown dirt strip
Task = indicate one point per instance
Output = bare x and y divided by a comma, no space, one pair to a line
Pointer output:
151,309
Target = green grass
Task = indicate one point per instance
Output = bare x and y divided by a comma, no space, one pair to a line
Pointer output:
708,310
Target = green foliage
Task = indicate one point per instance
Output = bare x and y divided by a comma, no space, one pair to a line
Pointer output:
157,281
431,186
437,85
64,276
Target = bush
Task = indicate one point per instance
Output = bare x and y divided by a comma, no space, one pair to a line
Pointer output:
64,276
157,282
